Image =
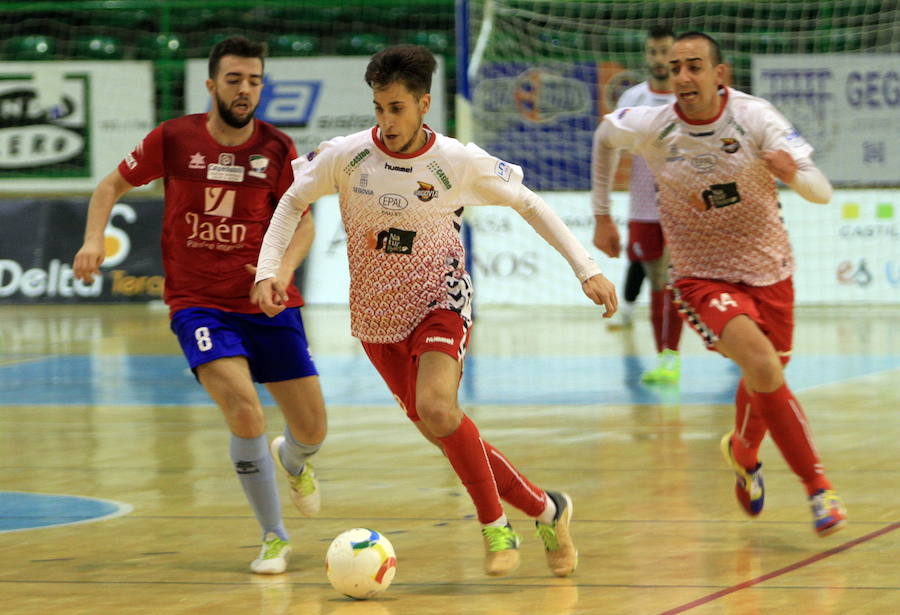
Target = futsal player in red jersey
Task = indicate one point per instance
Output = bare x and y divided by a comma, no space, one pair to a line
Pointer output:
224,171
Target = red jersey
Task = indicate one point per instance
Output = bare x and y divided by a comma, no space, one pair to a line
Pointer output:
219,200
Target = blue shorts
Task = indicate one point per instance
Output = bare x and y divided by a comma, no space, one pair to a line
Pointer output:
276,348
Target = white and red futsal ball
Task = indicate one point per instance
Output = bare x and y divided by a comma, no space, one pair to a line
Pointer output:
360,563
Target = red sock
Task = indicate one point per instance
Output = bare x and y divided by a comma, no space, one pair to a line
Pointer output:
513,486
467,455
749,429
791,434
657,314
671,327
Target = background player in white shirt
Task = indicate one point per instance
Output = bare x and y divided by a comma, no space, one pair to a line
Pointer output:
714,154
646,247
402,190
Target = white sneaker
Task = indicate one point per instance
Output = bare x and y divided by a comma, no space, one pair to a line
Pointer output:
273,556
305,492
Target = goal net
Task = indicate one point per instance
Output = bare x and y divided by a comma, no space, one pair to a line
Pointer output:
542,72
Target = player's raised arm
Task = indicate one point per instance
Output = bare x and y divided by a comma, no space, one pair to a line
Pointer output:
92,252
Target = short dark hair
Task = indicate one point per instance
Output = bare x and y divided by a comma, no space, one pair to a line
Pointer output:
715,50
411,65
235,46
658,32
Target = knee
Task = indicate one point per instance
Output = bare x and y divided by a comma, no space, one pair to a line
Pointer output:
245,420
763,373
438,415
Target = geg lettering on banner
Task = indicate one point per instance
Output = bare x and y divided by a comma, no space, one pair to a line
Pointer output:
846,105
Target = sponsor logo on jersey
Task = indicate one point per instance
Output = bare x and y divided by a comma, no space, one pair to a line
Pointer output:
674,156
393,202
721,195
793,136
665,131
431,339
226,170
198,161
426,191
392,167
738,127
218,201
354,162
730,146
503,170
708,133
704,162
392,241
311,155
435,168
259,164
622,113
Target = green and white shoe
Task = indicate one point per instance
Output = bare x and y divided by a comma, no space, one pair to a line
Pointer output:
667,370
273,556
305,493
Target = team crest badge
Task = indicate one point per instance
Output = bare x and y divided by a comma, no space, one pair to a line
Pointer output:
730,146
426,191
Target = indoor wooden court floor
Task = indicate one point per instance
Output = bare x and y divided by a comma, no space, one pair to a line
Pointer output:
96,409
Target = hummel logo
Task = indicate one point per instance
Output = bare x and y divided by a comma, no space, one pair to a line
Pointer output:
435,338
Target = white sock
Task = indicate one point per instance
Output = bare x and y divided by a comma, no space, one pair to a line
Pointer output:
549,511
500,521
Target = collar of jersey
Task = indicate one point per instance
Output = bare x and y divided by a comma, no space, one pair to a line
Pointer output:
228,148
724,93
376,137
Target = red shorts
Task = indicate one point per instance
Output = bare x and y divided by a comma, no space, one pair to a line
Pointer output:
645,241
708,305
398,363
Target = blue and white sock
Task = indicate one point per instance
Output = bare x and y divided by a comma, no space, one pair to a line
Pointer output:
256,471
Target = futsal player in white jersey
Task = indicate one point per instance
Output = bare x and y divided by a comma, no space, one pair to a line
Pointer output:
646,249
714,154
402,189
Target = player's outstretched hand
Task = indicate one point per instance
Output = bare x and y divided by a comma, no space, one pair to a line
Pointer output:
88,260
602,292
606,236
269,294
780,164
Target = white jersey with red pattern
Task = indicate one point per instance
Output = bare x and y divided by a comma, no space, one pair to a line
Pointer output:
641,186
403,215
718,202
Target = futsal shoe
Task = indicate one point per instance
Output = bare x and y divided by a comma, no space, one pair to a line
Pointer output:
748,487
667,370
305,493
562,556
828,512
501,546
273,556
